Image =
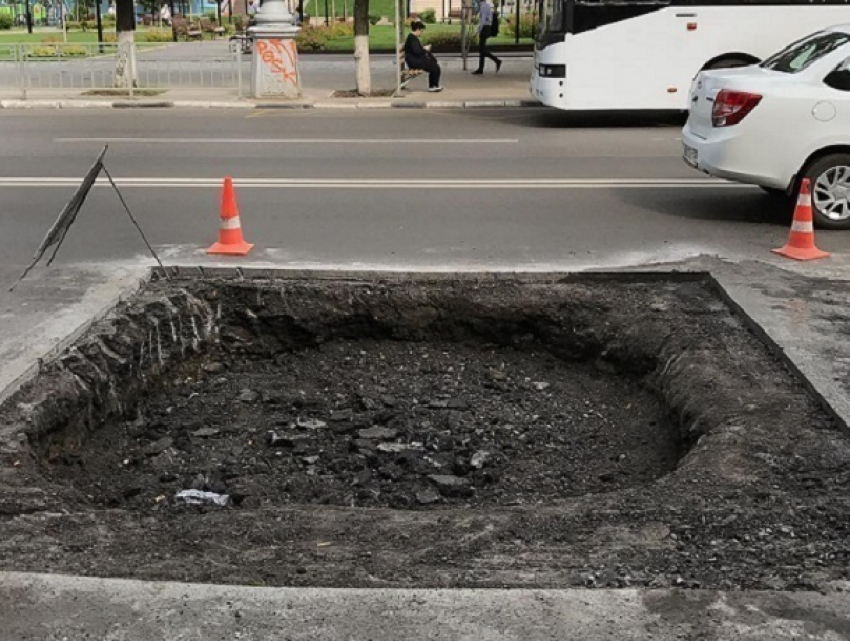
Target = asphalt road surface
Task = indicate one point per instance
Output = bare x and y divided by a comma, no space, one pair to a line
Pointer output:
429,189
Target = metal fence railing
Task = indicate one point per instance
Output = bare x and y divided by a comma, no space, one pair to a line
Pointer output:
11,72
92,67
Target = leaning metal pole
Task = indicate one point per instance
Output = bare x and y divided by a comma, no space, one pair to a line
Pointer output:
399,34
465,12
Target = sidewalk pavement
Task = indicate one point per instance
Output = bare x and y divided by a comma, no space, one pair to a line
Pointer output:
54,607
323,80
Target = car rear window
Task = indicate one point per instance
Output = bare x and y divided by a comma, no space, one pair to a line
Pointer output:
802,53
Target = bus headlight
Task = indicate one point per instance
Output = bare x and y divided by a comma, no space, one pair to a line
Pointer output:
553,71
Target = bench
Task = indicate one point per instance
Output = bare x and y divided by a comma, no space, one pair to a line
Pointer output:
406,74
240,43
185,30
208,26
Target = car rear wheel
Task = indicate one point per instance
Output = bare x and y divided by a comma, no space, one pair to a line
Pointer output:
830,179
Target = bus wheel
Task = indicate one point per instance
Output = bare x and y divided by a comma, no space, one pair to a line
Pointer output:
729,63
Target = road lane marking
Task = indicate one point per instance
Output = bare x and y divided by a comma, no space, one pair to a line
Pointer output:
404,183
297,141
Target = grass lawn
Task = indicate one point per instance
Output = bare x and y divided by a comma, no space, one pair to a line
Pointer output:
20,35
55,35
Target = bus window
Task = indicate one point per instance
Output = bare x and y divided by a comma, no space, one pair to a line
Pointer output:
551,22
591,14
801,54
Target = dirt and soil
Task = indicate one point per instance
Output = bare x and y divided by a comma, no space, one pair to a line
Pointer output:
437,433
381,424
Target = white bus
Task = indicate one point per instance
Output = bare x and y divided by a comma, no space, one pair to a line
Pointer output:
643,54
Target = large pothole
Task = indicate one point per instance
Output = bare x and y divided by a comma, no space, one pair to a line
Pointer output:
367,422
596,431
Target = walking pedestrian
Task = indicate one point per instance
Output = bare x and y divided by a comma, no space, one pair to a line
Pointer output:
485,22
418,57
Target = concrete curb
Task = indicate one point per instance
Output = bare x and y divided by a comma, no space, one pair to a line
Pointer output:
211,104
237,105
42,606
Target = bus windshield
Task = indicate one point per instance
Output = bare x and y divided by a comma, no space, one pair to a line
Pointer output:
802,53
559,17
550,18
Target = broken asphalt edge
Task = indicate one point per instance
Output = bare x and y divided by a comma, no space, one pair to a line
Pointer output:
7,389
825,399
241,273
330,103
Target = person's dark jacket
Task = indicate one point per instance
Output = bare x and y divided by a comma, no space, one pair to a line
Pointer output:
415,55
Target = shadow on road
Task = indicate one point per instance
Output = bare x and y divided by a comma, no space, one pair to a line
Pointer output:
721,205
556,119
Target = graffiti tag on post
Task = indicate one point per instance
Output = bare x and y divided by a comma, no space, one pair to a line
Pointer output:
279,65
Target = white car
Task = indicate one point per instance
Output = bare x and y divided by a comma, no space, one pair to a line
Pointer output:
774,123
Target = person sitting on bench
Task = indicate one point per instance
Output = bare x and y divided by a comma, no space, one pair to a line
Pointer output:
418,57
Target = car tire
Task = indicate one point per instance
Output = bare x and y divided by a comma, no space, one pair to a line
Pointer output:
830,185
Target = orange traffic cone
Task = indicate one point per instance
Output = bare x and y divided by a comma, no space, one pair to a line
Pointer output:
230,239
801,240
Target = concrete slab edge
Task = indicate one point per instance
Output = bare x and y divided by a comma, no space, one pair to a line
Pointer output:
44,606
225,104
60,346
782,355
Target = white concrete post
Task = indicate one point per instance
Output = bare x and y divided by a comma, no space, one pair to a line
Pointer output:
274,63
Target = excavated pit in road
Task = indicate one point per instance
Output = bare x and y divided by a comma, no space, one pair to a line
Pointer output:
609,430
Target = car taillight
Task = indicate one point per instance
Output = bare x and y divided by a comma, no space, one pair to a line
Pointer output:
731,107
